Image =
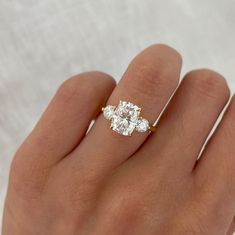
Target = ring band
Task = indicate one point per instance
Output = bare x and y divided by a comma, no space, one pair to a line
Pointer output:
125,118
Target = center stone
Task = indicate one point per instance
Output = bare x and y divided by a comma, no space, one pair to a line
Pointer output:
125,118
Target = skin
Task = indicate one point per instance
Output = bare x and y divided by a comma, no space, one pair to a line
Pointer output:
63,181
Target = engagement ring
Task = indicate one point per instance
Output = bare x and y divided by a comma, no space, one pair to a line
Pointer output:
125,118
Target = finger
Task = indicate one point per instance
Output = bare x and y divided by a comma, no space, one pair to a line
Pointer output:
215,170
64,122
231,228
148,82
187,122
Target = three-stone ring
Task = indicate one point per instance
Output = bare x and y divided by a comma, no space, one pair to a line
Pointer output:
125,118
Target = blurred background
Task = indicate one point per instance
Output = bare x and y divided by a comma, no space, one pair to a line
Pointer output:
44,42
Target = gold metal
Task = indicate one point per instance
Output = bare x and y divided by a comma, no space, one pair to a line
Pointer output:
152,128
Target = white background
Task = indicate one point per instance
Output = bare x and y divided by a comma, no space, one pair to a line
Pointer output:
44,42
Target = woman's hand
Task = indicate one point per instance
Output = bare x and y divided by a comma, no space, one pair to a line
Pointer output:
64,182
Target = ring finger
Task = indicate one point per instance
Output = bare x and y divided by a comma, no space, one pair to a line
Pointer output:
148,82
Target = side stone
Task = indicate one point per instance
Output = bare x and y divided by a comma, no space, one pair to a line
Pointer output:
142,125
109,111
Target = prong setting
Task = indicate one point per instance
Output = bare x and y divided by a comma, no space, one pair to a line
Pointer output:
125,118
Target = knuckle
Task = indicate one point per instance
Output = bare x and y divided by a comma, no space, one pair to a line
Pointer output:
123,207
82,85
208,83
151,78
14,166
26,186
155,71
192,224
168,50
17,167
27,177
165,52
193,229
76,86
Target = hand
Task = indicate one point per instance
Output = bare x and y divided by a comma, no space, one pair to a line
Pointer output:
64,182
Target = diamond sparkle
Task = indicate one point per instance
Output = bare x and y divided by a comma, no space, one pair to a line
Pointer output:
108,111
125,118
142,125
